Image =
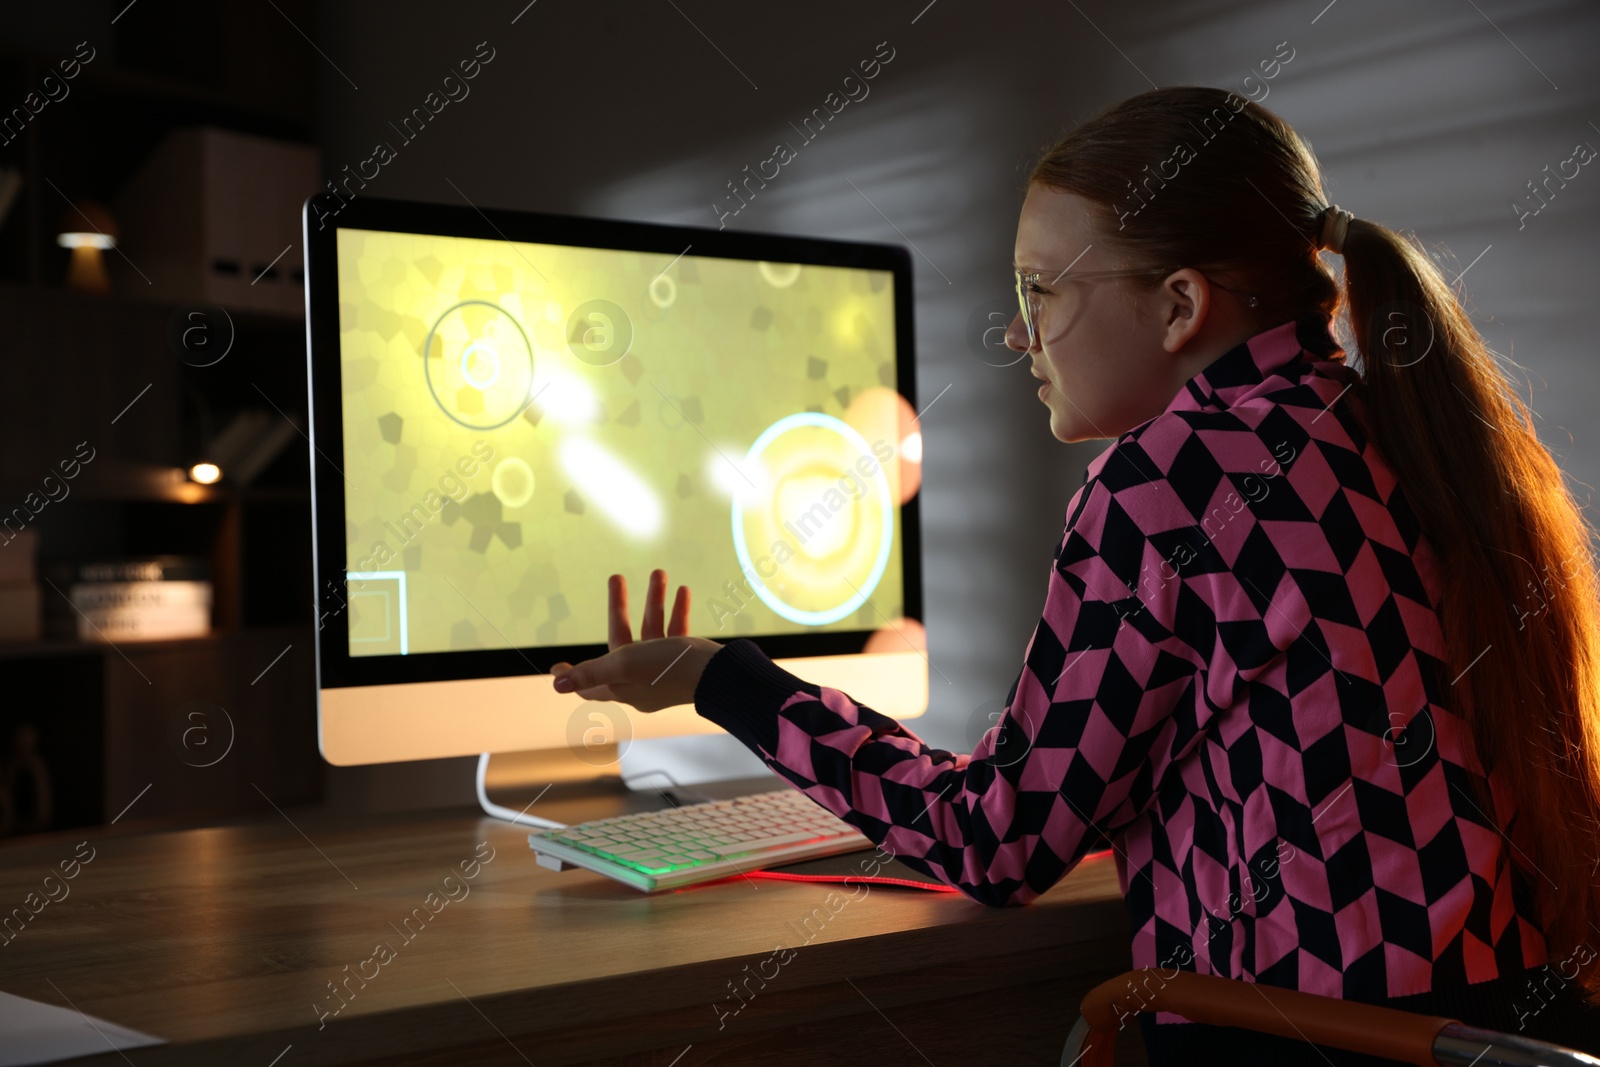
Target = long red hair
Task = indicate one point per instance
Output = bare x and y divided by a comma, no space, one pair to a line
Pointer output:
1520,607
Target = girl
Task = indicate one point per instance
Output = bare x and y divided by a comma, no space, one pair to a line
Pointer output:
1320,650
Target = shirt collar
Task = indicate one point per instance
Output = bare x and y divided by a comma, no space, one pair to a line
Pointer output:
1271,360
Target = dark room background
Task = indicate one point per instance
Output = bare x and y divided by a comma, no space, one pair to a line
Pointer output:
1436,116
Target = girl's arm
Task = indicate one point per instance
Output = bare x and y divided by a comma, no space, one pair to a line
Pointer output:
1104,704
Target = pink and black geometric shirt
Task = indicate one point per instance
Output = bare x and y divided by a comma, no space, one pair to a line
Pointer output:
1237,682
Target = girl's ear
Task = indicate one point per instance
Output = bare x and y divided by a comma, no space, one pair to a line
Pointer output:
1185,302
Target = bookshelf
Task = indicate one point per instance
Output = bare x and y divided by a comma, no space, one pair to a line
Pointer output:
106,714
114,724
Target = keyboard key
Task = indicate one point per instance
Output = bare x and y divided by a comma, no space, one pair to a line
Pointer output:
772,842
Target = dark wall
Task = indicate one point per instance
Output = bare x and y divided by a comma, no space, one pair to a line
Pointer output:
1429,116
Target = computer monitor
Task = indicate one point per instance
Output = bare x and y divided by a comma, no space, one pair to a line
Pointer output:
507,407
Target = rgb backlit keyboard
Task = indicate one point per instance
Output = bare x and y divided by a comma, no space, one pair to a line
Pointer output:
674,847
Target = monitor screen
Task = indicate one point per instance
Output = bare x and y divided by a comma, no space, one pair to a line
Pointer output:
519,419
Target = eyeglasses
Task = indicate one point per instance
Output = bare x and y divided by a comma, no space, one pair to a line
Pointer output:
1027,298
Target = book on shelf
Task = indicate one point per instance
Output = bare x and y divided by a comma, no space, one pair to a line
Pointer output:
143,624
146,599
141,569
152,596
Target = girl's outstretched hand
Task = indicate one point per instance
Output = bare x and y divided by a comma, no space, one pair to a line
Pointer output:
658,671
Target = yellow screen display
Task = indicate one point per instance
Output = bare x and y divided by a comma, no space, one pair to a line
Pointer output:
522,420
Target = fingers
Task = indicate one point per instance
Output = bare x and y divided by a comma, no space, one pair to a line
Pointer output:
654,605
621,633
589,674
561,679
680,614
651,626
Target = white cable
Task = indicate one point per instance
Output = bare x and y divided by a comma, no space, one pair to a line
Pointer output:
521,818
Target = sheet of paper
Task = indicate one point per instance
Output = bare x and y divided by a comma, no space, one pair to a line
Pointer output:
32,1032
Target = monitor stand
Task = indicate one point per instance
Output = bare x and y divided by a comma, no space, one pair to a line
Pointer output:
687,762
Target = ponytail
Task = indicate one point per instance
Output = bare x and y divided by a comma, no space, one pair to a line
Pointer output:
1520,598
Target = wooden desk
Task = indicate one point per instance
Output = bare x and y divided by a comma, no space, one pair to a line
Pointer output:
224,941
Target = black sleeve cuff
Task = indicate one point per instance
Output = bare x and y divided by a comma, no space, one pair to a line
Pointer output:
741,690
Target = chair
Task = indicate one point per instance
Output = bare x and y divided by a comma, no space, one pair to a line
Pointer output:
1427,1040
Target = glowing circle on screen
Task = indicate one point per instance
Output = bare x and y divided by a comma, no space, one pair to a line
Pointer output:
513,482
477,354
663,291
779,275
799,477
478,363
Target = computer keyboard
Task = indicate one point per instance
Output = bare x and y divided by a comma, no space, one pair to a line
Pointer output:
675,847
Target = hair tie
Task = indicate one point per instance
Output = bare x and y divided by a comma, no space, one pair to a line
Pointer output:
1335,223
